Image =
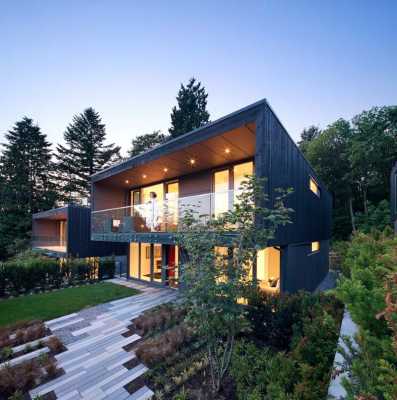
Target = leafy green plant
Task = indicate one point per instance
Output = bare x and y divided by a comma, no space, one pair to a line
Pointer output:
212,284
6,353
107,267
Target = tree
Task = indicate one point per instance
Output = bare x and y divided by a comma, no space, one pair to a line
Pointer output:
213,283
145,142
84,154
307,135
26,183
329,153
191,112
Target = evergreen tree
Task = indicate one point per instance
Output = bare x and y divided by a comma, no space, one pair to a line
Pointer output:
84,154
308,135
145,142
26,183
191,111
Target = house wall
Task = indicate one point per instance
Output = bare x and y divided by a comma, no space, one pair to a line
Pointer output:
279,160
45,227
104,196
79,233
302,269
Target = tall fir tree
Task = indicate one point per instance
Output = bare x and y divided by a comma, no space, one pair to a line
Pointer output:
26,183
145,142
84,154
191,112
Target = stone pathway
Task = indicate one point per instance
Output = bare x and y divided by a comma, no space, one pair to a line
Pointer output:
329,282
93,362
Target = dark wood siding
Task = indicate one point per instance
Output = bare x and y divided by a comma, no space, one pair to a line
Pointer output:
104,196
280,161
302,269
79,232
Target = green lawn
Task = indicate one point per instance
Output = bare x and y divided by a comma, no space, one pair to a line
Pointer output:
51,305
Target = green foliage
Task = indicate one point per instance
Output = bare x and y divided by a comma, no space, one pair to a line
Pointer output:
107,267
213,284
302,369
26,184
84,154
145,142
369,266
192,111
377,217
354,159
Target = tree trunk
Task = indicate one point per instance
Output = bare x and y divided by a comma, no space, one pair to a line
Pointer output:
365,201
352,214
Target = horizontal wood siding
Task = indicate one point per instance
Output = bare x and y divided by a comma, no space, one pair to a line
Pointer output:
104,196
280,161
194,184
302,269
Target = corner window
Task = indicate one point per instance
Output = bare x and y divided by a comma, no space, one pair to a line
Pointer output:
314,187
315,246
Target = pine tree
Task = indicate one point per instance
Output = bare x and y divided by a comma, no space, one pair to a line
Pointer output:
84,154
145,142
191,111
26,183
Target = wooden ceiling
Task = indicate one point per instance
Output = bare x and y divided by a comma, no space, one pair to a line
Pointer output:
229,147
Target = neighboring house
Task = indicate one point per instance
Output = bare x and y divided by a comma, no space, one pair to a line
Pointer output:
65,232
393,196
138,201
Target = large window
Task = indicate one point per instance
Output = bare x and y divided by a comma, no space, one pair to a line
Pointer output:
268,269
221,192
240,172
145,261
134,260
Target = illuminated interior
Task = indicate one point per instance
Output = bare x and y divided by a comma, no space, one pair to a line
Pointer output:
268,269
134,260
157,262
314,187
145,261
315,246
221,194
239,175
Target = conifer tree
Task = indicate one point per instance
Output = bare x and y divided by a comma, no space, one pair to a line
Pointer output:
191,112
84,154
26,183
145,142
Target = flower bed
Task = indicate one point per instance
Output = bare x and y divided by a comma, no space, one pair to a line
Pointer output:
27,358
288,353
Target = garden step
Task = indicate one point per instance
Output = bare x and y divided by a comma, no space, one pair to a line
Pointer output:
25,357
33,343
60,319
143,393
67,323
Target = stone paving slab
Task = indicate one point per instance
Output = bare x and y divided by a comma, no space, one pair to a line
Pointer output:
93,361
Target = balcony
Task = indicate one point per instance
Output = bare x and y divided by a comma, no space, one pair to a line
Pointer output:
49,243
121,224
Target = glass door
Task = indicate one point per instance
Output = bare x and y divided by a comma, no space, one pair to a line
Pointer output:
152,199
171,206
172,266
221,192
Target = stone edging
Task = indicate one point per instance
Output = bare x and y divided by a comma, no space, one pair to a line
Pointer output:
348,328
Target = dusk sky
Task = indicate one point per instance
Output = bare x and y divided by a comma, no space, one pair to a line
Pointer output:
314,61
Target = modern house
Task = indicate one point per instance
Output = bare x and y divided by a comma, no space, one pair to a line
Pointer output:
138,201
65,232
393,196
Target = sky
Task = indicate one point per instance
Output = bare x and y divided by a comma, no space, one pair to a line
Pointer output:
314,61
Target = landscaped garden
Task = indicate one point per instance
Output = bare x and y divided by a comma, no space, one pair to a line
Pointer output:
368,287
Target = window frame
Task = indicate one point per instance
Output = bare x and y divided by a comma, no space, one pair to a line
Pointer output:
318,191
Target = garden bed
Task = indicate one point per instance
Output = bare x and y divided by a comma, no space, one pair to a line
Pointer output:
27,358
288,352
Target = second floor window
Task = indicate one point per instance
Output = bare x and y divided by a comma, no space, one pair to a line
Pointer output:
314,187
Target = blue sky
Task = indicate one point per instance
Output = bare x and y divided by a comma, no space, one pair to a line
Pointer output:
314,61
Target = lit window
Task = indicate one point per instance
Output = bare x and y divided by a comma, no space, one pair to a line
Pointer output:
315,246
314,187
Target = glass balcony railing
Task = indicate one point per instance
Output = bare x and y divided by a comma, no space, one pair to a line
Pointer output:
49,243
159,216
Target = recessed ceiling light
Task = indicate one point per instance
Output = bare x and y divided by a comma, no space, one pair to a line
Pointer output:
165,169
127,181
192,161
227,150
144,176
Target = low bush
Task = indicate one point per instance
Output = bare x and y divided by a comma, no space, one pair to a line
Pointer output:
157,349
161,317
24,332
369,289
107,267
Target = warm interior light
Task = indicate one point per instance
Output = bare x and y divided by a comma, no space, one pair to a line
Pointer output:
127,181
227,150
192,161
144,176
165,169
